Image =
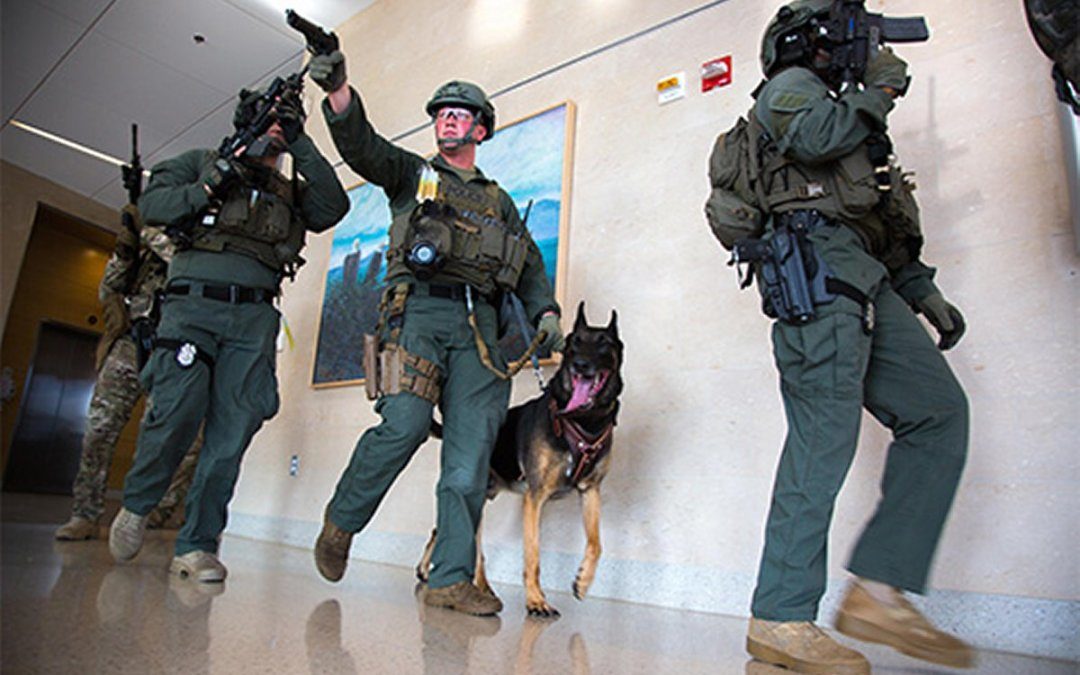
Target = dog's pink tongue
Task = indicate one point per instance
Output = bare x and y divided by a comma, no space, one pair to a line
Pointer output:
580,394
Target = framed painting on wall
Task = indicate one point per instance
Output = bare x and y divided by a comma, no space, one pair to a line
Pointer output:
529,158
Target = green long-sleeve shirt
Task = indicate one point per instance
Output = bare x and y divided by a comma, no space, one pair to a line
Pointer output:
811,126
175,196
397,172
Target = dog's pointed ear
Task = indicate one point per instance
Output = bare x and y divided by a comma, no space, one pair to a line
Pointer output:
580,322
613,323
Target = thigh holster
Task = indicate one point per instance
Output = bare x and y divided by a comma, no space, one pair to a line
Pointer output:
389,369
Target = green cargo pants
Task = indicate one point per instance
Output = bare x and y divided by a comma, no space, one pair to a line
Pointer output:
830,369
473,404
234,400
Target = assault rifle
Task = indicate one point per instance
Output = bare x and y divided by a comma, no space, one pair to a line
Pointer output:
133,173
319,41
265,113
851,35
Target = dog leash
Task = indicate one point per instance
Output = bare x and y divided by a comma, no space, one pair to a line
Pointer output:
523,326
482,351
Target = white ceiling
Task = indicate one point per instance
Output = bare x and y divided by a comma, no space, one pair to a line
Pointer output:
85,70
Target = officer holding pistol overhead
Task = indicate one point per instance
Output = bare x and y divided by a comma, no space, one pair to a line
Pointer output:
239,225
838,265
456,244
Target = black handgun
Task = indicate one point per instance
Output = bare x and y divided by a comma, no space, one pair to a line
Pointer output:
319,41
791,274
853,34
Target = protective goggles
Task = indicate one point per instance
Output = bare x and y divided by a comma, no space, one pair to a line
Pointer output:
460,114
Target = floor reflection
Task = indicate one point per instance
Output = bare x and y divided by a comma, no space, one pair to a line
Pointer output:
322,640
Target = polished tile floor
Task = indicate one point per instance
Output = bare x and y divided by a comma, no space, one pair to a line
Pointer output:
66,608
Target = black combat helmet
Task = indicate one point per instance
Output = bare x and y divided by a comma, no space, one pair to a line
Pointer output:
786,40
465,95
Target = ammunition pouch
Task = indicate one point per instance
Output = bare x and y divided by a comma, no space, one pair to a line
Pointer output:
459,234
259,223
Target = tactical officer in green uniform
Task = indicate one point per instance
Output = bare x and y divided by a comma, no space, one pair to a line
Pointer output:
823,177
240,226
456,244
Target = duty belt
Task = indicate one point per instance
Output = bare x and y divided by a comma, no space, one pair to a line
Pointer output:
232,294
447,291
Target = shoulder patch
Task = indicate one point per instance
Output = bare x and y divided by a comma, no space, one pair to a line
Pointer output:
789,101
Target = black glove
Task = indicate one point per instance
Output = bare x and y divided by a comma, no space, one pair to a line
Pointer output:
945,318
290,116
328,70
222,175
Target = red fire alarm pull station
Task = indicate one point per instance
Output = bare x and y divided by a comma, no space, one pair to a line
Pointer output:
716,73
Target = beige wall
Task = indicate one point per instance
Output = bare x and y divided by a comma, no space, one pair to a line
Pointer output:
701,425
20,194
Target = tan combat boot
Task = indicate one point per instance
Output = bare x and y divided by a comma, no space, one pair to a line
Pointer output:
126,535
901,626
464,597
199,565
802,647
77,529
332,551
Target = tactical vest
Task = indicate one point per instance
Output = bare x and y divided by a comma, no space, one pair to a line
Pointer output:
846,189
258,222
477,246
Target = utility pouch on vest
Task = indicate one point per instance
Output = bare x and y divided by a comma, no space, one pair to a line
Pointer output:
730,208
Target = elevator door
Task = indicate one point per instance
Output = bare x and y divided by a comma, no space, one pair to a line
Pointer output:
47,442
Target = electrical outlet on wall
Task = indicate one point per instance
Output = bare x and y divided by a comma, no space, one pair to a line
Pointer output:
294,465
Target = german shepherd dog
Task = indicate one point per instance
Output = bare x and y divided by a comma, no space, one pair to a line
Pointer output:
555,444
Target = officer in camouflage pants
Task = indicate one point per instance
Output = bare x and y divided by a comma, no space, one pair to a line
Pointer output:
135,271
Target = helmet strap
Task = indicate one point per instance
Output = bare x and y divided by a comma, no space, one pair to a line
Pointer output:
455,143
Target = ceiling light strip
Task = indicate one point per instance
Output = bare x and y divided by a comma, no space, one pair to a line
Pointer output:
68,143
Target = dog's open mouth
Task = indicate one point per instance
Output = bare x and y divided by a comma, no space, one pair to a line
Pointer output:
583,390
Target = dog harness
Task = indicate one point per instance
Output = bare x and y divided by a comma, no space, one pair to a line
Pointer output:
586,450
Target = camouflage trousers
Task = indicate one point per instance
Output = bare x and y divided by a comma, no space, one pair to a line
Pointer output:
116,392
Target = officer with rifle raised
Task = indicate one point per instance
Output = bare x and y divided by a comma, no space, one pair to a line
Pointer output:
806,191
239,226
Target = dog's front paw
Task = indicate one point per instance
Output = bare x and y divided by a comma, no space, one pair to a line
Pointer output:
542,609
